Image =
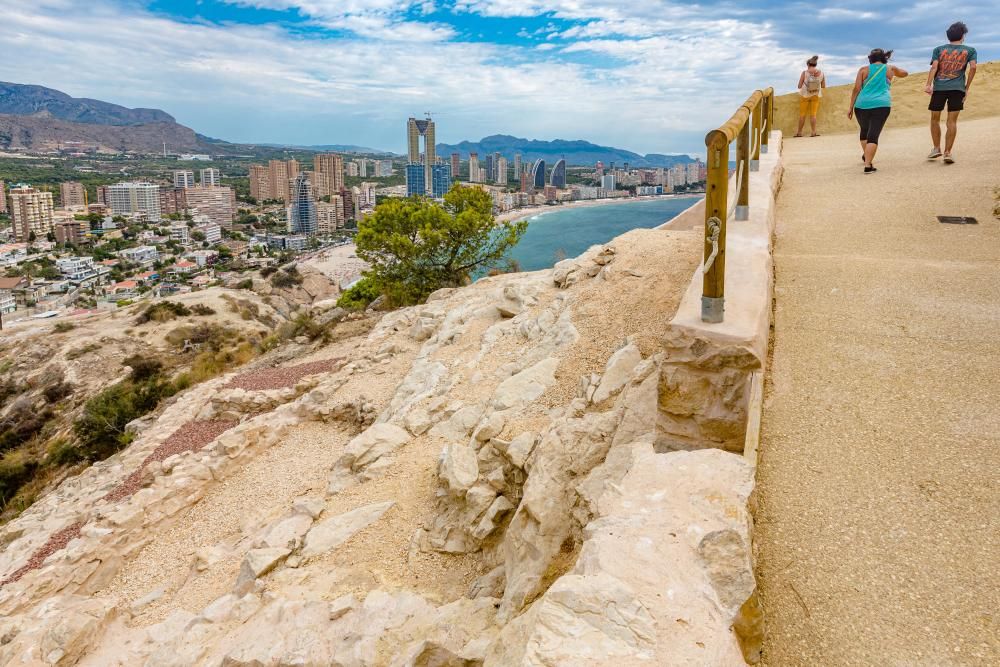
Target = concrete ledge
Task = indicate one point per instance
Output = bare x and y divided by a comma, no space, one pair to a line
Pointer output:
705,382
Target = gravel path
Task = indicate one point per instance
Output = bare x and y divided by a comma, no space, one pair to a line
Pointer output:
878,529
279,378
188,438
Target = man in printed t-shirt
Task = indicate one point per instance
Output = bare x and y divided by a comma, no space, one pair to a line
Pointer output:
947,84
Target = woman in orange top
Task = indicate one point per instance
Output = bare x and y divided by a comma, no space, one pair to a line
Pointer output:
812,81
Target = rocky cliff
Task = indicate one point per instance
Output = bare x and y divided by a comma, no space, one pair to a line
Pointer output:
479,480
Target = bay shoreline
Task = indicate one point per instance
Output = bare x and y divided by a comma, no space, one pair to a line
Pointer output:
524,213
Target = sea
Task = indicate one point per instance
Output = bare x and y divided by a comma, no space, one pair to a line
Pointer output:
567,231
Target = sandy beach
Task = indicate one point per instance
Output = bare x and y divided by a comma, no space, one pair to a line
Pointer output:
340,264
524,213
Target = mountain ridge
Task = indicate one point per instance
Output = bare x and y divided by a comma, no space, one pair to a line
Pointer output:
19,99
574,151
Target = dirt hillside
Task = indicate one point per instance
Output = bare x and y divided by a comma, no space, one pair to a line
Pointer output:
909,103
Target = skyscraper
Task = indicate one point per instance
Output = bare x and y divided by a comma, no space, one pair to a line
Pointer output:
183,179
502,171
31,212
71,193
272,181
474,168
517,165
538,174
455,164
211,177
329,168
415,129
215,203
3,198
558,177
490,164
441,173
302,209
135,197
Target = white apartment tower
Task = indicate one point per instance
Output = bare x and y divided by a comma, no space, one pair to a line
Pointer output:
135,197
183,179
210,178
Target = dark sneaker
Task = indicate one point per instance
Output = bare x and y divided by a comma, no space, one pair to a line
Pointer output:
934,154
870,170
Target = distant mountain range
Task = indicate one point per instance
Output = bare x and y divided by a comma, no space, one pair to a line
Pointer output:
37,118
578,152
24,100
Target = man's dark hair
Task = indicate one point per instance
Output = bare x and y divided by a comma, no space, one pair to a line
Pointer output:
957,31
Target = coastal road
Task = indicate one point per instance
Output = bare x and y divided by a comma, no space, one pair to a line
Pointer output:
878,524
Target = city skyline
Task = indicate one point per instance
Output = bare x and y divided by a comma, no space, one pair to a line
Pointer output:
615,75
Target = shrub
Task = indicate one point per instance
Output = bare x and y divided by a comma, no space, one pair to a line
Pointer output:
21,425
359,295
202,309
101,428
163,311
287,277
267,271
16,470
63,452
245,284
57,392
81,351
63,327
143,368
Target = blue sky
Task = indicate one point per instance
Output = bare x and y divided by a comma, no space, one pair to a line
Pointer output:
649,76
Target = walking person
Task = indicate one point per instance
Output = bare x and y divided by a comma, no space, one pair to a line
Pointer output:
812,81
948,84
871,101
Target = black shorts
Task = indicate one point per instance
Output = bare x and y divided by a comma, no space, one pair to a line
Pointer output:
954,98
871,121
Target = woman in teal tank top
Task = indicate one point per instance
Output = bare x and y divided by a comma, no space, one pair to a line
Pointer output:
872,101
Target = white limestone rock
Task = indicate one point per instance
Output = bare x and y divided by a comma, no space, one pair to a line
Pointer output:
256,564
376,441
617,372
333,532
526,386
459,467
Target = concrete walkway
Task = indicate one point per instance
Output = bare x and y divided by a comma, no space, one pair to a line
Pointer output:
878,525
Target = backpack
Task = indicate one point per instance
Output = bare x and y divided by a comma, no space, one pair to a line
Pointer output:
813,83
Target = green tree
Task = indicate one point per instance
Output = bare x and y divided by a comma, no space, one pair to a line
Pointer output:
416,246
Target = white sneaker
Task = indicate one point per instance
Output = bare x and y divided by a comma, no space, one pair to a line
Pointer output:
948,159
934,154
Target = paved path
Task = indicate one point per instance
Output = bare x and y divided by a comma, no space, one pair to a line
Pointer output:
878,537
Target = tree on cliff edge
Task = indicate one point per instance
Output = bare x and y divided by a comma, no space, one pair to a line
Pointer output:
416,246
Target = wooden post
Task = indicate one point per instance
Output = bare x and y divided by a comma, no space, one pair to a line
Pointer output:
765,140
756,112
716,202
743,173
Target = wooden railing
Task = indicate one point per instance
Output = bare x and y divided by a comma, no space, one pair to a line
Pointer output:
750,126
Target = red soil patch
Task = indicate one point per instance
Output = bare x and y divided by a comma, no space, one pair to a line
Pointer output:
188,438
279,378
56,541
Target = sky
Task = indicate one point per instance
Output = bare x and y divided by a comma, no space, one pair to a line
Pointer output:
644,75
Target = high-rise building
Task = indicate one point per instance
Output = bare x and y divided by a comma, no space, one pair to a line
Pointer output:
30,212
363,167
272,181
608,182
517,165
183,179
599,169
474,168
3,198
383,168
502,170
538,174
496,167
441,173
172,200
135,197
415,180
329,179
330,216
455,164
215,203
558,177
210,177
103,198
489,165
524,181
415,129
302,209
72,194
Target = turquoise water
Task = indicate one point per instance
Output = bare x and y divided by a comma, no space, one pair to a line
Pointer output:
566,231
